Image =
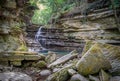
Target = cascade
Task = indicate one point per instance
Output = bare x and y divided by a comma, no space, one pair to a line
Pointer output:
55,39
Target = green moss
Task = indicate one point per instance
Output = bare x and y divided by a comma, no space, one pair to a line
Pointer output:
16,63
41,64
88,45
22,48
90,61
61,75
16,30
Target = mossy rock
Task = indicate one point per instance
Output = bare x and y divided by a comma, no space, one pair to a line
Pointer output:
104,76
41,64
32,57
6,63
16,57
61,75
22,48
16,63
87,46
93,61
50,57
112,53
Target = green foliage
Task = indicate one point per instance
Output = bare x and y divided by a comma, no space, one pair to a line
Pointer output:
116,3
41,16
49,9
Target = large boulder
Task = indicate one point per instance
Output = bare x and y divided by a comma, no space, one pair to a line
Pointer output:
93,61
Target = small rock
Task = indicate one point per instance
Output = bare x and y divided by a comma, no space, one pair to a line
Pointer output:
14,76
115,78
78,77
56,69
45,72
72,72
41,64
61,75
50,57
104,76
64,59
93,78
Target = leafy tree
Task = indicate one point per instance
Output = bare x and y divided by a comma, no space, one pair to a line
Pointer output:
49,9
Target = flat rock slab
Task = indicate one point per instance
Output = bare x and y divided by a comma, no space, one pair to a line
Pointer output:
14,76
64,59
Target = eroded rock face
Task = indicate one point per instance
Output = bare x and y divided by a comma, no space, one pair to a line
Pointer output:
92,61
12,25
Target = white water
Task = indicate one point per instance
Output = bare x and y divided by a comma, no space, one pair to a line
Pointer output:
37,37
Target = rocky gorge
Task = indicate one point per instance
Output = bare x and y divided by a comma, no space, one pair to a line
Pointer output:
94,46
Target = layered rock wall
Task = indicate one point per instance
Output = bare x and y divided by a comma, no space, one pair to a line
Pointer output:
14,16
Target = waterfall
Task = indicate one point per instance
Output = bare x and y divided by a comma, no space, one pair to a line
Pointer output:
38,37
53,39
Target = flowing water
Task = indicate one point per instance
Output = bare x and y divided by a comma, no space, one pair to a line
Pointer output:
53,39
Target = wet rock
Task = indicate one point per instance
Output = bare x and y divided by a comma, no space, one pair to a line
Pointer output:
78,77
45,72
61,75
115,78
50,57
41,64
14,76
64,59
72,72
92,61
93,78
104,76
